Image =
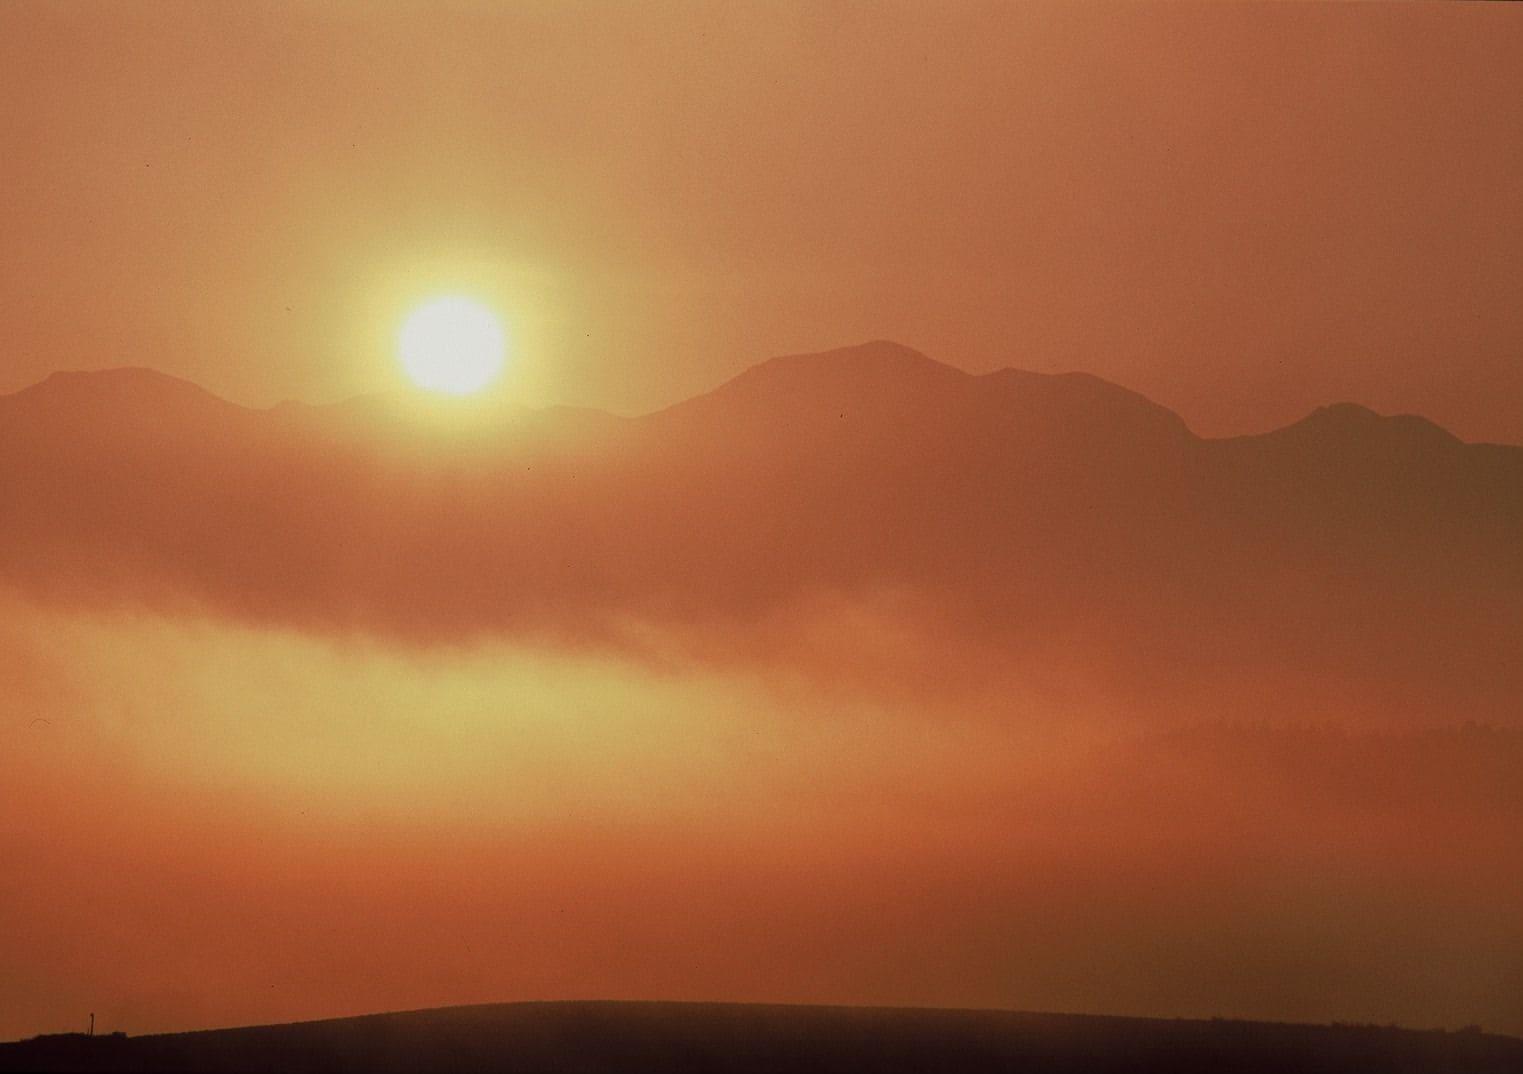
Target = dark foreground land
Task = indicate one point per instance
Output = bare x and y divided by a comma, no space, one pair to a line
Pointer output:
668,1038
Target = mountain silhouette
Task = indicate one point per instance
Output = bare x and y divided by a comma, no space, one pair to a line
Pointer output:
1062,522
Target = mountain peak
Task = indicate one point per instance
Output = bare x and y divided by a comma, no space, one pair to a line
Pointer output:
878,358
1353,420
1087,401
116,376
128,401
131,386
874,374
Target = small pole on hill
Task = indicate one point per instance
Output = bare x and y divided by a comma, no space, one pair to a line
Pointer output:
92,1023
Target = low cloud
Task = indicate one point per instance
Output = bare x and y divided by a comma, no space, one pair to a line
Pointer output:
216,824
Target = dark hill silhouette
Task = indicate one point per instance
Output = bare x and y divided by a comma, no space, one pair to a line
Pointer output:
675,1037
1058,521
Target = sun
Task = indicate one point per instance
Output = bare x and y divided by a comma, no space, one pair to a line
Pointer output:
452,345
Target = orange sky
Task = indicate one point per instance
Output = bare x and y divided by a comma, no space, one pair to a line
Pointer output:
1240,211
857,679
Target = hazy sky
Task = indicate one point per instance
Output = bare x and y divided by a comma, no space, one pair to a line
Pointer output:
860,681
1242,211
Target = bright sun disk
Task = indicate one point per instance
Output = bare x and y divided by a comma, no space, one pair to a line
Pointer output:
452,345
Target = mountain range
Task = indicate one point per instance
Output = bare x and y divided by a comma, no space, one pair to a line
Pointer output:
1012,526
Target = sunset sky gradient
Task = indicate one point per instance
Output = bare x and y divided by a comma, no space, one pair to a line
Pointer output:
1242,211
879,672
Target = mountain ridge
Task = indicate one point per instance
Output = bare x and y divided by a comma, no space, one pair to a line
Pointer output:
871,365
1048,518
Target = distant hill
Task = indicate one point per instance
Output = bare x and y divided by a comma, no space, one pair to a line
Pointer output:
597,1038
1055,521
669,1038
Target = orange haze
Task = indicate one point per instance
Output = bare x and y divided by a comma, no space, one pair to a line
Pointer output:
926,673
1242,211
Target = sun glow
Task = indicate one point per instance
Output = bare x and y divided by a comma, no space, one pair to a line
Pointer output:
452,345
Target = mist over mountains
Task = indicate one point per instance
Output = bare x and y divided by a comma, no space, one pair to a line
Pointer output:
1350,564
858,679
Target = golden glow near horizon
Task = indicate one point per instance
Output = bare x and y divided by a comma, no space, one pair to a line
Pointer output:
452,345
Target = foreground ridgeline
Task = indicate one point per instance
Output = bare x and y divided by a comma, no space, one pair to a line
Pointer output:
670,1038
